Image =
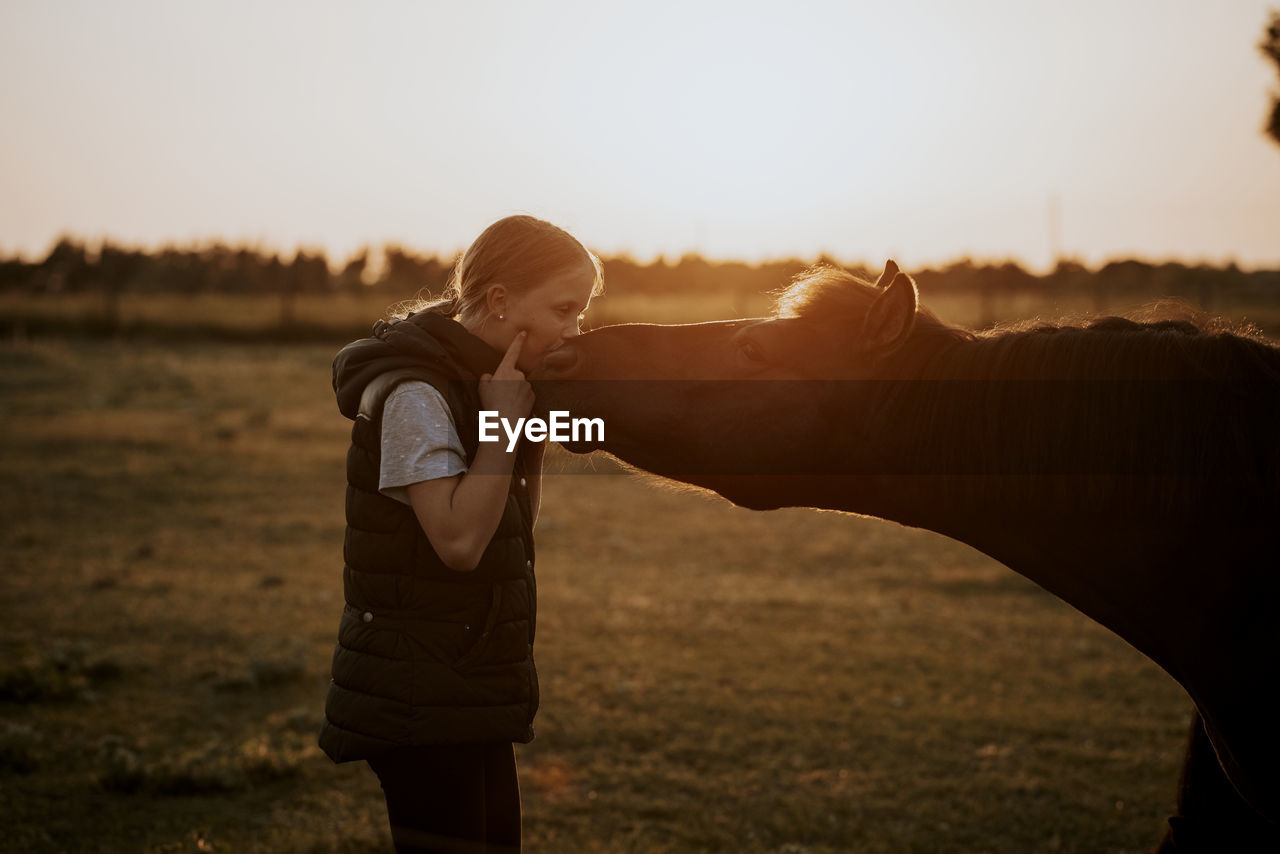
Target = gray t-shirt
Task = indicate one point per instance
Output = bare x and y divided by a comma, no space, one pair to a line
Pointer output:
419,440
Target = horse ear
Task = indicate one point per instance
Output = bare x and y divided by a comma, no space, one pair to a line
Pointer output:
890,270
891,317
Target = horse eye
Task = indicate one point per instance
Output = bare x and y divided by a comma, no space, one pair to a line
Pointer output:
752,351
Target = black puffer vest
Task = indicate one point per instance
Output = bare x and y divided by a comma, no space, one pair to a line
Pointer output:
426,654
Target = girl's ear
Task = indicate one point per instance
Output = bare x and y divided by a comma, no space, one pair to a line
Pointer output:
495,299
891,317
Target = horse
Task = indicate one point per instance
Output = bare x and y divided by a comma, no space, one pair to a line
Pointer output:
1130,466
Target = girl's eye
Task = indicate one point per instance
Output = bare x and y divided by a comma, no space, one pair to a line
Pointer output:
752,351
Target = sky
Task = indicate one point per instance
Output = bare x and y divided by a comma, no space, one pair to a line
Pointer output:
923,130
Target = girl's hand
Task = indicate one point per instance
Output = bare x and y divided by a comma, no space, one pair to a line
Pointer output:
506,389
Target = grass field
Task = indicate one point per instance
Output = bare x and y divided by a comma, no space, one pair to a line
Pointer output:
713,679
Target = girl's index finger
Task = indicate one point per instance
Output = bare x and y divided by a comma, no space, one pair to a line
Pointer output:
512,355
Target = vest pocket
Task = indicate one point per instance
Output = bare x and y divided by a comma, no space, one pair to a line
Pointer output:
475,652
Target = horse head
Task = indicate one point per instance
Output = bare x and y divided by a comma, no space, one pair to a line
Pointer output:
727,403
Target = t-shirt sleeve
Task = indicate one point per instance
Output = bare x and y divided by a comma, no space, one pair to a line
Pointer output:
419,440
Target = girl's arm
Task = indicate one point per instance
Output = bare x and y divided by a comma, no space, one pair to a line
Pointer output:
460,514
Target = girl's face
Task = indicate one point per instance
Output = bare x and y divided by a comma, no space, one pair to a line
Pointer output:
549,312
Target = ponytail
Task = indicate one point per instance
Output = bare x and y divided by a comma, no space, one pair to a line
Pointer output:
449,305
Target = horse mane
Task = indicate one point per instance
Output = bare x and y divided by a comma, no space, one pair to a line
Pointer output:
838,298
1169,393
1167,340
824,291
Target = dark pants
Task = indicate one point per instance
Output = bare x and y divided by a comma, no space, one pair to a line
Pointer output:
452,799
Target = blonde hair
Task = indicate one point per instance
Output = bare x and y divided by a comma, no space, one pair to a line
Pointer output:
519,252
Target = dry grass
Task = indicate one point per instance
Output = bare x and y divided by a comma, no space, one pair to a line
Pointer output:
713,679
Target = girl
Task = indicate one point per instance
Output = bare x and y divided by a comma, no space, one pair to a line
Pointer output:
433,675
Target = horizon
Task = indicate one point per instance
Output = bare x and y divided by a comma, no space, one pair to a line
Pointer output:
925,133
375,252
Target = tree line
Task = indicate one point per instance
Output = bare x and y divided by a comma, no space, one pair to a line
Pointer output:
72,267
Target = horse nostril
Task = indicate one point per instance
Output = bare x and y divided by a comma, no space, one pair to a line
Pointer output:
561,360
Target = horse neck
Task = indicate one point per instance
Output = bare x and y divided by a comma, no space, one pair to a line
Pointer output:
1030,468
1085,413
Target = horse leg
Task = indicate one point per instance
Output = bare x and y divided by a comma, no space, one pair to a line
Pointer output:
1211,816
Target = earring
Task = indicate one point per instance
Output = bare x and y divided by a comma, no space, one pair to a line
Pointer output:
501,316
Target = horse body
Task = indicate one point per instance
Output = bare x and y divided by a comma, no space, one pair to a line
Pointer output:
1133,470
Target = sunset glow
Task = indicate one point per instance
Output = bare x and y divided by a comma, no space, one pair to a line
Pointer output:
926,130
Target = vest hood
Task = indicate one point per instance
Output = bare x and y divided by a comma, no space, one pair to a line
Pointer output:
422,338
